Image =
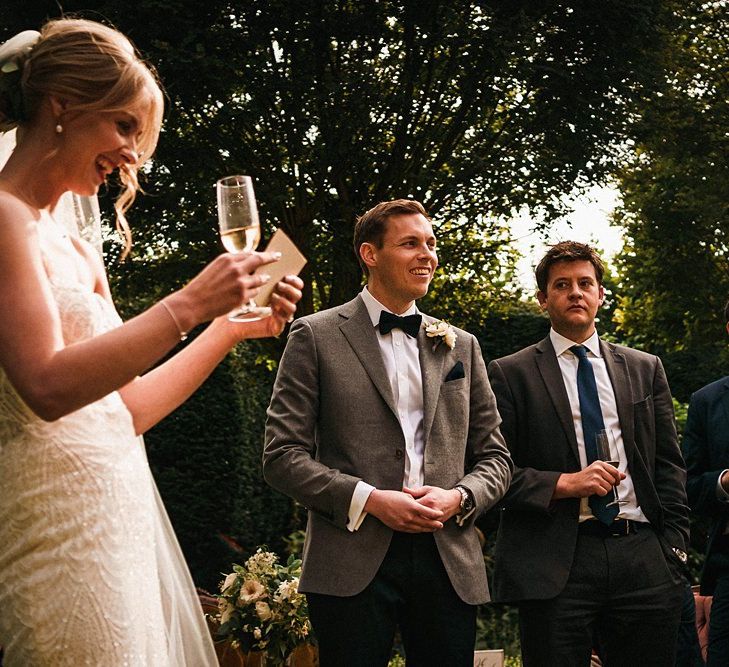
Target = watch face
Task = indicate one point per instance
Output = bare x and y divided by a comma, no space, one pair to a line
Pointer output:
466,500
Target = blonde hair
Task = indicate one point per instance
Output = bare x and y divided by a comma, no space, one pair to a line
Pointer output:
95,68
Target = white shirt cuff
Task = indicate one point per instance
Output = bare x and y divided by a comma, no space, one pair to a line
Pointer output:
356,506
721,493
462,518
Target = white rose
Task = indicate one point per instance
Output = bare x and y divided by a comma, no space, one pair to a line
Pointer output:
250,591
432,330
263,611
450,338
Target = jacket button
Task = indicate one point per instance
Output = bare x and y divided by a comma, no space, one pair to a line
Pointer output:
398,453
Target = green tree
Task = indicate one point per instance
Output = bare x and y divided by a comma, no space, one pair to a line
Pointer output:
674,272
476,108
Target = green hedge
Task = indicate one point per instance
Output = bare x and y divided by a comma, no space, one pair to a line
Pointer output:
206,460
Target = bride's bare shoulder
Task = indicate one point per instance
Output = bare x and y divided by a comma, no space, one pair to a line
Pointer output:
14,209
18,227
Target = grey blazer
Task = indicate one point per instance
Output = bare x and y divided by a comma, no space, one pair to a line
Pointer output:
537,537
332,422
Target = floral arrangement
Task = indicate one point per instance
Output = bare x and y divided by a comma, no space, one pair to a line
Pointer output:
441,331
260,607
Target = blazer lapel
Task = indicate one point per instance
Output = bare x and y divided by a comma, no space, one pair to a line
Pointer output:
617,369
725,401
552,376
361,335
431,369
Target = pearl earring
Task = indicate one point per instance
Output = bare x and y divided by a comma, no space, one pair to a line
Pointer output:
59,128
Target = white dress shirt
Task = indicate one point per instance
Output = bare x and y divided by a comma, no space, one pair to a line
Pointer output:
568,363
402,363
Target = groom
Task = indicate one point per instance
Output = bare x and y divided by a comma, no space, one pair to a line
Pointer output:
391,439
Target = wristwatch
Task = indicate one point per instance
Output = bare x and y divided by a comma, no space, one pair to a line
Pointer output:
467,503
681,555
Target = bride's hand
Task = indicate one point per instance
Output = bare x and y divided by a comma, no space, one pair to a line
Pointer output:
286,295
224,284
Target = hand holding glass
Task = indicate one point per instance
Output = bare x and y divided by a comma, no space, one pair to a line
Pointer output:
240,231
607,451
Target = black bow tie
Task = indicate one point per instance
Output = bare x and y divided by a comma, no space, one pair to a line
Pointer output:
409,324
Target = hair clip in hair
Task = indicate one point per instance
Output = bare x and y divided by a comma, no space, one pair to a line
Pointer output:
16,47
12,55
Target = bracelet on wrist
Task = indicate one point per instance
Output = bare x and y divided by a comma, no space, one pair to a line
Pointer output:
183,334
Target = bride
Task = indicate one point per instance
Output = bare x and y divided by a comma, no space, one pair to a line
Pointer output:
90,570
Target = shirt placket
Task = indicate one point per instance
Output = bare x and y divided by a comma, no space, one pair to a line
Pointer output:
403,401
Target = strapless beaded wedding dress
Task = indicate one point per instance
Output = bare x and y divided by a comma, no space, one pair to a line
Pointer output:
90,570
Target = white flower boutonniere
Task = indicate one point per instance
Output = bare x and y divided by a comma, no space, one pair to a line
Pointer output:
442,331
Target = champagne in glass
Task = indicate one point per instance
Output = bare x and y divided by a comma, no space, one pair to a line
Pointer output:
240,231
607,451
241,239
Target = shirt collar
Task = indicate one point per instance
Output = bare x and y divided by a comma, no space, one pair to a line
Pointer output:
562,344
374,307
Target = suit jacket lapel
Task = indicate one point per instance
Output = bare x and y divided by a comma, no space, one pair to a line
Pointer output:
725,401
361,335
431,369
617,369
548,365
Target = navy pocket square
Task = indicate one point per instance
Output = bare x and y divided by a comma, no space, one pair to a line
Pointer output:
456,373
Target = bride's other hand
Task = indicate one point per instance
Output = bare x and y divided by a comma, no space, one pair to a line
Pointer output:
222,286
286,295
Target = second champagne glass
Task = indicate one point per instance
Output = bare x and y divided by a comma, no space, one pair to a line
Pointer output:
240,231
607,451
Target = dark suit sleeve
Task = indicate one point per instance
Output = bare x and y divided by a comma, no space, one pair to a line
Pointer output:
670,470
289,455
488,463
702,480
530,489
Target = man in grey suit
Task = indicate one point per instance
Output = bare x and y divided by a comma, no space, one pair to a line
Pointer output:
588,569
706,448
390,437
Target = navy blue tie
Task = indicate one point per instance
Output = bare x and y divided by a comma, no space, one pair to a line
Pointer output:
592,422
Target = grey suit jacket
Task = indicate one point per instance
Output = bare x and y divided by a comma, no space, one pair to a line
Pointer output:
332,422
537,536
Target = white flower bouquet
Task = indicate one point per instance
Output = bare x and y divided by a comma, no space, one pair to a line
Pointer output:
260,607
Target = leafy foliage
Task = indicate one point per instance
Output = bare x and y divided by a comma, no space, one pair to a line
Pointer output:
476,108
674,273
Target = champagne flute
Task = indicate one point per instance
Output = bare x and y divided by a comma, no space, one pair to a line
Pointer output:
240,231
607,451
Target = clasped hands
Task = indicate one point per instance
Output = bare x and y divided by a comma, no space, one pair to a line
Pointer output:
421,510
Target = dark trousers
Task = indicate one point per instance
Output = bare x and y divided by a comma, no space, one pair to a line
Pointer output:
621,598
688,650
412,591
718,650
